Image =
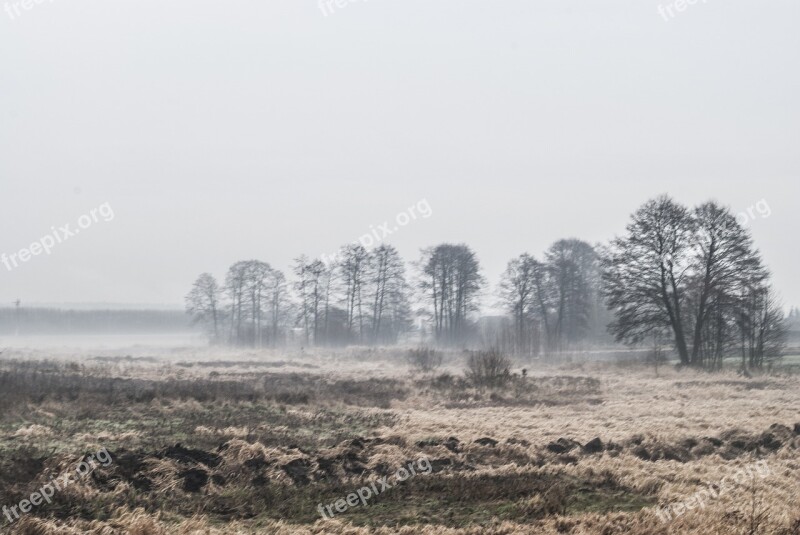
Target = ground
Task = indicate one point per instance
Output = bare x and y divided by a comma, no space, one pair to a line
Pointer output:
218,441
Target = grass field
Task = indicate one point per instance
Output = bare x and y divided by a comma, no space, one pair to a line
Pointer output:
253,442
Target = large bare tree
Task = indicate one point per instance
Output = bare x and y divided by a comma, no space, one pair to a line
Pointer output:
697,274
645,273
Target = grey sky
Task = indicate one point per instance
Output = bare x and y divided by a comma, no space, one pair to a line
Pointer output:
220,131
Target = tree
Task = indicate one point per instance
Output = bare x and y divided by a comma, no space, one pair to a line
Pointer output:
697,274
451,281
235,287
313,290
250,285
561,294
388,293
722,256
644,273
352,267
573,276
763,328
518,294
258,276
203,304
279,306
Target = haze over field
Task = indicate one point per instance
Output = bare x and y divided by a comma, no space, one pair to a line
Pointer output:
266,130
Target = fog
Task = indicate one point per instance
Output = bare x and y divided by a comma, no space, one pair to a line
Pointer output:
215,133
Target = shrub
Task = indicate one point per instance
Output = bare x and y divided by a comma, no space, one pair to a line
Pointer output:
424,359
488,368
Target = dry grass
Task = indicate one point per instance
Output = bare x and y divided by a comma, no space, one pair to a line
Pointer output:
510,459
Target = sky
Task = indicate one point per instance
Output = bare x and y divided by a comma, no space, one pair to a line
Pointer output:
178,137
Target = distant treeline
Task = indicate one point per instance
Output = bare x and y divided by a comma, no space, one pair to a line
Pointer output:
683,279
28,321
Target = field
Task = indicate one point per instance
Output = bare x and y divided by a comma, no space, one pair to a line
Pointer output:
216,441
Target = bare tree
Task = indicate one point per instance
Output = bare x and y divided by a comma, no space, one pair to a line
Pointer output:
279,306
697,274
388,290
723,262
572,266
203,304
248,284
763,328
352,266
235,287
518,294
310,284
259,275
301,285
544,299
644,273
451,281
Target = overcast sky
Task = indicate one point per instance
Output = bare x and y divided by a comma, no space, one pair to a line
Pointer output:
220,131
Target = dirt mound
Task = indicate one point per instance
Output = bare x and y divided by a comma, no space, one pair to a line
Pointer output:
729,444
284,480
190,456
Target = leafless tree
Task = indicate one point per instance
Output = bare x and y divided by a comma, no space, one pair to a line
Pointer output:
645,272
352,268
203,304
259,275
561,294
451,281
236,287
697,274
518,294
388,292
250,286
279,306
723,260
311,286
763,328
573,276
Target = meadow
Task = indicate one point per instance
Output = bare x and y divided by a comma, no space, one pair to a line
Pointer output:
236,441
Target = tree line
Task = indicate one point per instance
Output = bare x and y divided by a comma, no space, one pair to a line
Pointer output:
689,279
37,320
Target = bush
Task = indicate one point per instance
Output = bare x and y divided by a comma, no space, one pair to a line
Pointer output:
488,368
424,359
